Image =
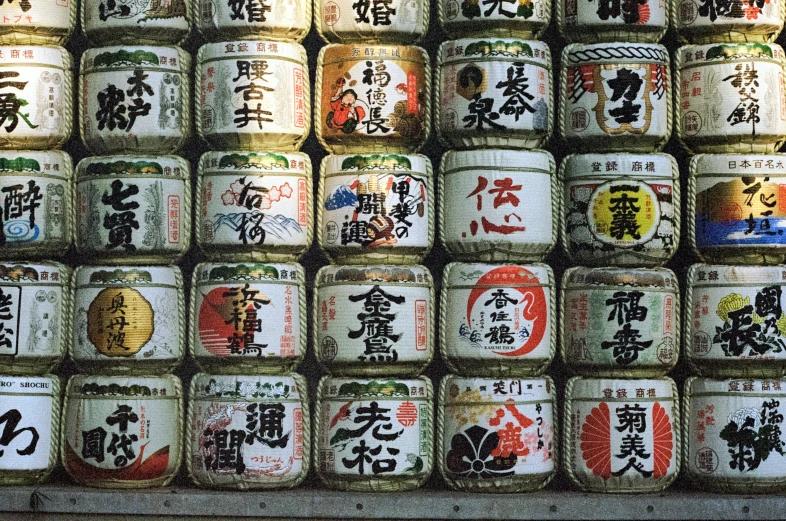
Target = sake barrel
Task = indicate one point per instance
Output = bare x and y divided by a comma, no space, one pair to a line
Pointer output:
108,22
42,22
122,432
37,190
262,421
254,205
622,436
133,209
376,208
497,436
128,320
135,99
374,435
714,22
733,211
248,318
734,435
498,205
620,322
498,319
585,21
374,320
494,93
734,321
615,97
253,95
37,93
719,107
385,21
287,20
473,18
35,306
372,98
30,409
620,209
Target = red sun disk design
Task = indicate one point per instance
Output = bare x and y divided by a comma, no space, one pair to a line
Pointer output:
596,441
536,309
644,14
215,324
663,441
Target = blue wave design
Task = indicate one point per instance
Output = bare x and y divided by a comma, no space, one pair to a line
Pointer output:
20,231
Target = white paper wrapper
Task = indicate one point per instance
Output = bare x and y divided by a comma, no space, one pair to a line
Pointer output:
497,435
248,318
30,408
394,21
620,209
587,21
128,320
47,22
122,432
615,97
374,320
622,436
134,21
376,209
722,418
262,420
35,308
721,103
498,320
354,418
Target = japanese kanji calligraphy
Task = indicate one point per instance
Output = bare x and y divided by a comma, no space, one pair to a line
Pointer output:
374,316
28,435
250,311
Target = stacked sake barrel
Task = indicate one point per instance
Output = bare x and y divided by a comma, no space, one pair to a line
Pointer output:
248,420
374,307
620,223
731,113
122,424
499,201
36,230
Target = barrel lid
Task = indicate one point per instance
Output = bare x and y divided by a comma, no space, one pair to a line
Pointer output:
246,387
580,53
376,389
34,273
239,49
475,391
208,272
236,161
539,161
620,277
133,165
619,164
50,55
506,275
86,386
125,57
702,275
375,163
128,276
479,49
415,275
739,386
738,164
692,55
604,389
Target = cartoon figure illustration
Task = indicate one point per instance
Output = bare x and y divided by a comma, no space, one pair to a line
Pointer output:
344,114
